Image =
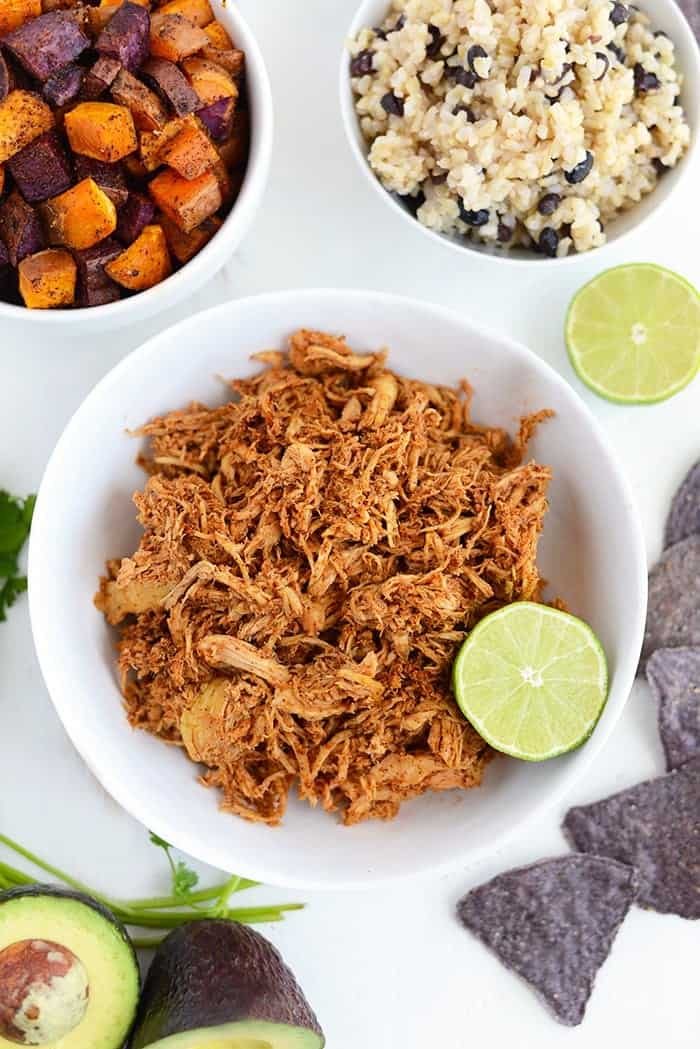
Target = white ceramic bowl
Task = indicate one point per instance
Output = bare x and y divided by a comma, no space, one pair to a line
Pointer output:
187,280
666,15
592,552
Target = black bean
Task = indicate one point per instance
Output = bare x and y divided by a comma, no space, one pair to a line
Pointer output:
413,201
504,233
619,14
581,171
549,203
659,166
462,76
462,108
606,64
392,104
617,51
474,52
548,242
362,63
436,42
644,81
473,218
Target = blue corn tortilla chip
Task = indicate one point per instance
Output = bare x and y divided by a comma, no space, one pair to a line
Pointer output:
673,613
674,676
684,516
553,923
654,827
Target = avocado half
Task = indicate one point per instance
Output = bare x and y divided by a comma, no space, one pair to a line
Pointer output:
69,978
219,985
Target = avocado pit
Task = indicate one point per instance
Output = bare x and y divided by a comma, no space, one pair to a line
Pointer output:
44,991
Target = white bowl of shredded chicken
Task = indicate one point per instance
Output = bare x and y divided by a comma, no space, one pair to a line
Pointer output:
318,528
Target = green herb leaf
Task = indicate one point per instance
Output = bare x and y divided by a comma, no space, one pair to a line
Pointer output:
161,843
15,521
184,880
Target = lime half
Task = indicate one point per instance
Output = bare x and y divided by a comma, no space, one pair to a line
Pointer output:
633,333
531,680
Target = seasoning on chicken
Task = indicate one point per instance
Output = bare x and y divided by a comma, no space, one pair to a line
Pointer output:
314,552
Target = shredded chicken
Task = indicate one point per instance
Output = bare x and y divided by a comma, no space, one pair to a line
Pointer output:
314,551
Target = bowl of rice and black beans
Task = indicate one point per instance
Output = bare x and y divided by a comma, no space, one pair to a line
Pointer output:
527,129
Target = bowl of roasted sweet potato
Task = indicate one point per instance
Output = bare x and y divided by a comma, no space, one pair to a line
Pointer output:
135,144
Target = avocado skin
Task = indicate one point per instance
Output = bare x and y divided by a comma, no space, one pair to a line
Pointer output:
212,972
59,892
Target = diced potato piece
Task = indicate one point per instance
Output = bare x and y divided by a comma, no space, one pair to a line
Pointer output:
175,37
191,152
232,61
198,12
81,216
23,117
14,13
184,246
152,143
47,280
101,130
144,263
146,108
210,81
100,16
235,149
187,202
218,37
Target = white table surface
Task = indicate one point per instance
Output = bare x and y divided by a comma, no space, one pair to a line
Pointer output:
390,968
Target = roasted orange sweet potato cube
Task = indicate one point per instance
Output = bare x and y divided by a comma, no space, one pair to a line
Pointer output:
101,130
218,37
152,143
187,202
80,217
234,150
23,117
47,279
144,263
198,12
174,37
209,80
184,246
191,152
146,108
135,166
14,13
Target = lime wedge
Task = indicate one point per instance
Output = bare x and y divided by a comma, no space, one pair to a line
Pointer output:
531,680
633,333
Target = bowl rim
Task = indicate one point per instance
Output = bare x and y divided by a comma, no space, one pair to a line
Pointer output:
190,277
464,246
147,810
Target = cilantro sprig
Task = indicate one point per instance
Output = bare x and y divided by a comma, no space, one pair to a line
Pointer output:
15,522
185,903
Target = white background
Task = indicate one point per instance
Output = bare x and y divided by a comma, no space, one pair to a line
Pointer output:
390,968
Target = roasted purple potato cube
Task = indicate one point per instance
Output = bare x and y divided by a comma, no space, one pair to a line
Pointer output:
137,213
109,177
218,118
47,43
4,79
91,262
65,85
42,169
126,36
107,69
171,84
105,293
20,228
